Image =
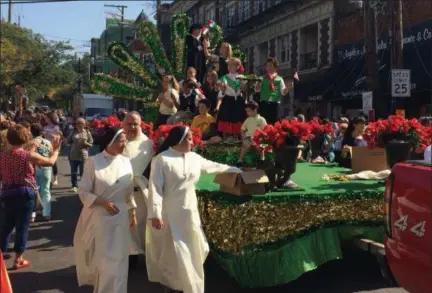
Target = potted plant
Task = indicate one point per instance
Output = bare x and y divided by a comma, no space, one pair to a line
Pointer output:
397,135
284,138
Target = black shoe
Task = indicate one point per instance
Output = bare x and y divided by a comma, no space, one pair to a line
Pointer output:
239,164
133,262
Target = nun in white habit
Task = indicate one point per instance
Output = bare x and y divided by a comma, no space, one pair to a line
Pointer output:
176,247
102,239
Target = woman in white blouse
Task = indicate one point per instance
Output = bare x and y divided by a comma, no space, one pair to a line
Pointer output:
168,100
102,239
176,247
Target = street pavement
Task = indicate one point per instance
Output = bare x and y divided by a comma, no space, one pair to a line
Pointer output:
53,271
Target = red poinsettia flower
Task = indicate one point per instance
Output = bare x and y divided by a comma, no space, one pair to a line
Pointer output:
273,136
147,128
379,133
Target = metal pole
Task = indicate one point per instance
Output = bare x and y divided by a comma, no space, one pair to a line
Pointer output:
121,24
10,12
371,55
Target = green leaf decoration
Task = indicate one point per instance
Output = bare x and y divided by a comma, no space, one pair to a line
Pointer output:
112,86
239,53
122,56
215,37
150,36
179,31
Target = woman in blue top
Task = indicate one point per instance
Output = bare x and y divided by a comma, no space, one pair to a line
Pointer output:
43,174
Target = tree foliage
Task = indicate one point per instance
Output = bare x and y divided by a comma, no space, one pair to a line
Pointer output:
39,65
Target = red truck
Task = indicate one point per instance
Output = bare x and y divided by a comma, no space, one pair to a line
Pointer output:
406,255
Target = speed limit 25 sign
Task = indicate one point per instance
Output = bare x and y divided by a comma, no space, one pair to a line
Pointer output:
401,83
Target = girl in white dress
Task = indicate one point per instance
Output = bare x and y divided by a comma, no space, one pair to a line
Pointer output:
102,239
176,247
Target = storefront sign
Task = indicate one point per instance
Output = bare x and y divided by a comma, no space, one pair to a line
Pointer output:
401,83
367,101
413,35
315,98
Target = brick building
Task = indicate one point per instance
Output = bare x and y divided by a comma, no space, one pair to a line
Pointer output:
342,92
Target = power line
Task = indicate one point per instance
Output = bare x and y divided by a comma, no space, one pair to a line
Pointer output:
37,1
65,38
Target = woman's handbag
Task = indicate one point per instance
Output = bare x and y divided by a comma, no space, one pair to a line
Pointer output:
38,201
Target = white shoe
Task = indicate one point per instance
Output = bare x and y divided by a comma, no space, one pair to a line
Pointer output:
55,182
75,189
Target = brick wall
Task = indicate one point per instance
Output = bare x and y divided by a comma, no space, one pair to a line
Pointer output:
349,27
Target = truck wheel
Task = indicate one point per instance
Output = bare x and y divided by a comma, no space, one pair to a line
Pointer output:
386,272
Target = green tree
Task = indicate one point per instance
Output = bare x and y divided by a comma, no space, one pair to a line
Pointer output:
37,64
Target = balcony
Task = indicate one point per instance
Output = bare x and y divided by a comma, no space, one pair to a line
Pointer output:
309,60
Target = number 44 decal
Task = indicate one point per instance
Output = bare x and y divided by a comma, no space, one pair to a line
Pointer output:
418,229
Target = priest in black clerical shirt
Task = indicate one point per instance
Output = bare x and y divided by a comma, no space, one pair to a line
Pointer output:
195,51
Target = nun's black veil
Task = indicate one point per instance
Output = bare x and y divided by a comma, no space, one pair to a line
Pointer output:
174,137
107,137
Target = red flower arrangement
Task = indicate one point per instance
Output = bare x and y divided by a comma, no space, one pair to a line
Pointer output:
99,125
147,128
273,136
111,121
379,133
162,132
318,129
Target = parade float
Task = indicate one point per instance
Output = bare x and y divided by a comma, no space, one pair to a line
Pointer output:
272,235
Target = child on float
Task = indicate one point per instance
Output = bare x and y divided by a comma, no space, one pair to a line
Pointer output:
168,100
190,74
254,122
189,97
230,105
204,121
271,90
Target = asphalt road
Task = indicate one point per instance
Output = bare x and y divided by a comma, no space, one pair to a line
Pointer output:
53,271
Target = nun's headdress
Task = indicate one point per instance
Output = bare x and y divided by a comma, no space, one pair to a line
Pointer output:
176,136
110,136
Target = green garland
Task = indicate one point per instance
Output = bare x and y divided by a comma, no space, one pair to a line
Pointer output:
215,37
150,36
265,224
239,53
179,31
122,56
109,85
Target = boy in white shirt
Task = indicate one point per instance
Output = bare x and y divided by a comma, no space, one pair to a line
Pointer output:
254,122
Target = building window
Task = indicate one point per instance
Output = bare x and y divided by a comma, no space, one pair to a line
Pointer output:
201,17
261,6
209,14
231,16
282,49
222,18
244,10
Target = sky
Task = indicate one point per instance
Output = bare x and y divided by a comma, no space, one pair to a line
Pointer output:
75,21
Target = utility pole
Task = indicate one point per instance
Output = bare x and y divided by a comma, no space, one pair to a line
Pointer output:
371,55
121,9
396,33
10,12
